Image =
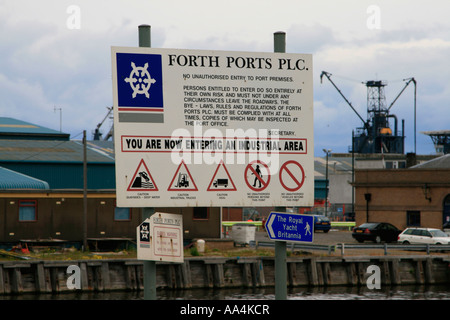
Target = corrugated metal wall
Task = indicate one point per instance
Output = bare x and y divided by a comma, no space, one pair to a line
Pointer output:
68,175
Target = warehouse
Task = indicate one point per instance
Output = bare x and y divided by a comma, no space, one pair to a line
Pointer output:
42,191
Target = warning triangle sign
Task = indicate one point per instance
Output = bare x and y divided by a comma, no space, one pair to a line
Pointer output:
221,180
182,179
142,179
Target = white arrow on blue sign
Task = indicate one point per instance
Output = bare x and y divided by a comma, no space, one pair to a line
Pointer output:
290,227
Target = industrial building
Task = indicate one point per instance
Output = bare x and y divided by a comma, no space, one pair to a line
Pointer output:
42,191
441,140
418,196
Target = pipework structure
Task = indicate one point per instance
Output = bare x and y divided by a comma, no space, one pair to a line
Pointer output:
441,140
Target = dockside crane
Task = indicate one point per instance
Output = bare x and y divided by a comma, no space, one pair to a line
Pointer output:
328,75
376,136
97,134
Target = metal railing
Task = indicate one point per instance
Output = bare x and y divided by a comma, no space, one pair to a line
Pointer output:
395,246
292,246
343,246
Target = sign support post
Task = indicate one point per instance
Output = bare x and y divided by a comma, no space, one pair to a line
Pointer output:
279,40
149,266
280,270
283,227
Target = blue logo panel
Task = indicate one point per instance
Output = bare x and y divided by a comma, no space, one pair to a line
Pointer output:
139,80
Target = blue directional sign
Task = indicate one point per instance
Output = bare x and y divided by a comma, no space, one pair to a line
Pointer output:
290,227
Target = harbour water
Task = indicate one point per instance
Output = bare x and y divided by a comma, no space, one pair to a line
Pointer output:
413,292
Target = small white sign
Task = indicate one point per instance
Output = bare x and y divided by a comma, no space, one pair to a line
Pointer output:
160,238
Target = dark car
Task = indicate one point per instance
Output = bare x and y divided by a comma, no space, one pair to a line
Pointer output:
376,232
322,223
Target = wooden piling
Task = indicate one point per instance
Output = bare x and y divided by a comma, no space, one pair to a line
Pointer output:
394,271
198,272
429,271
313,274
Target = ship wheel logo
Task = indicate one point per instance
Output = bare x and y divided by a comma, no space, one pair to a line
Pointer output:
140,80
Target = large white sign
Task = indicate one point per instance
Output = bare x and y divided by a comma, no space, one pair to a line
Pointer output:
212,128
160,238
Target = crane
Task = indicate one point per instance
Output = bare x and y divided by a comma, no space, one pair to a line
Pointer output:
328,75
97,133
375,136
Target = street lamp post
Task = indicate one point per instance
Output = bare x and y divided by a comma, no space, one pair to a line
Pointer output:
327,152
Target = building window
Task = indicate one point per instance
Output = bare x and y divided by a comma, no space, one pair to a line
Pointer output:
250,214
201,213
395,164
122,214
27,210
413,218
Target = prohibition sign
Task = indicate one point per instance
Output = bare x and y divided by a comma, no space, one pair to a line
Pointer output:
293,179
255,175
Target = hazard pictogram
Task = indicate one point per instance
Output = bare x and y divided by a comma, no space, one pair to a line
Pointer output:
142,179
221,180
292,175
182,179
257,175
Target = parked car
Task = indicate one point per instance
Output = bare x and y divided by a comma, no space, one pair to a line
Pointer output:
376,231
322,223
423,235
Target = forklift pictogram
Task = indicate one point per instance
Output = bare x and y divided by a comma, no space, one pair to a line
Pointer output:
182,180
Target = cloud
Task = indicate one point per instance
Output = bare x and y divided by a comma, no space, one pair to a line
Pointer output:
309,38
393,56
22,98
45,64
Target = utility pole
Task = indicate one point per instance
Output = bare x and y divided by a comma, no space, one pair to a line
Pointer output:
84,192
327,151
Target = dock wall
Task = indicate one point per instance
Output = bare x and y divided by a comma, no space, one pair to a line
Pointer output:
200,272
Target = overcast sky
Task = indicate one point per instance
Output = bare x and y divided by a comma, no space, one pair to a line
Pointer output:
57,54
